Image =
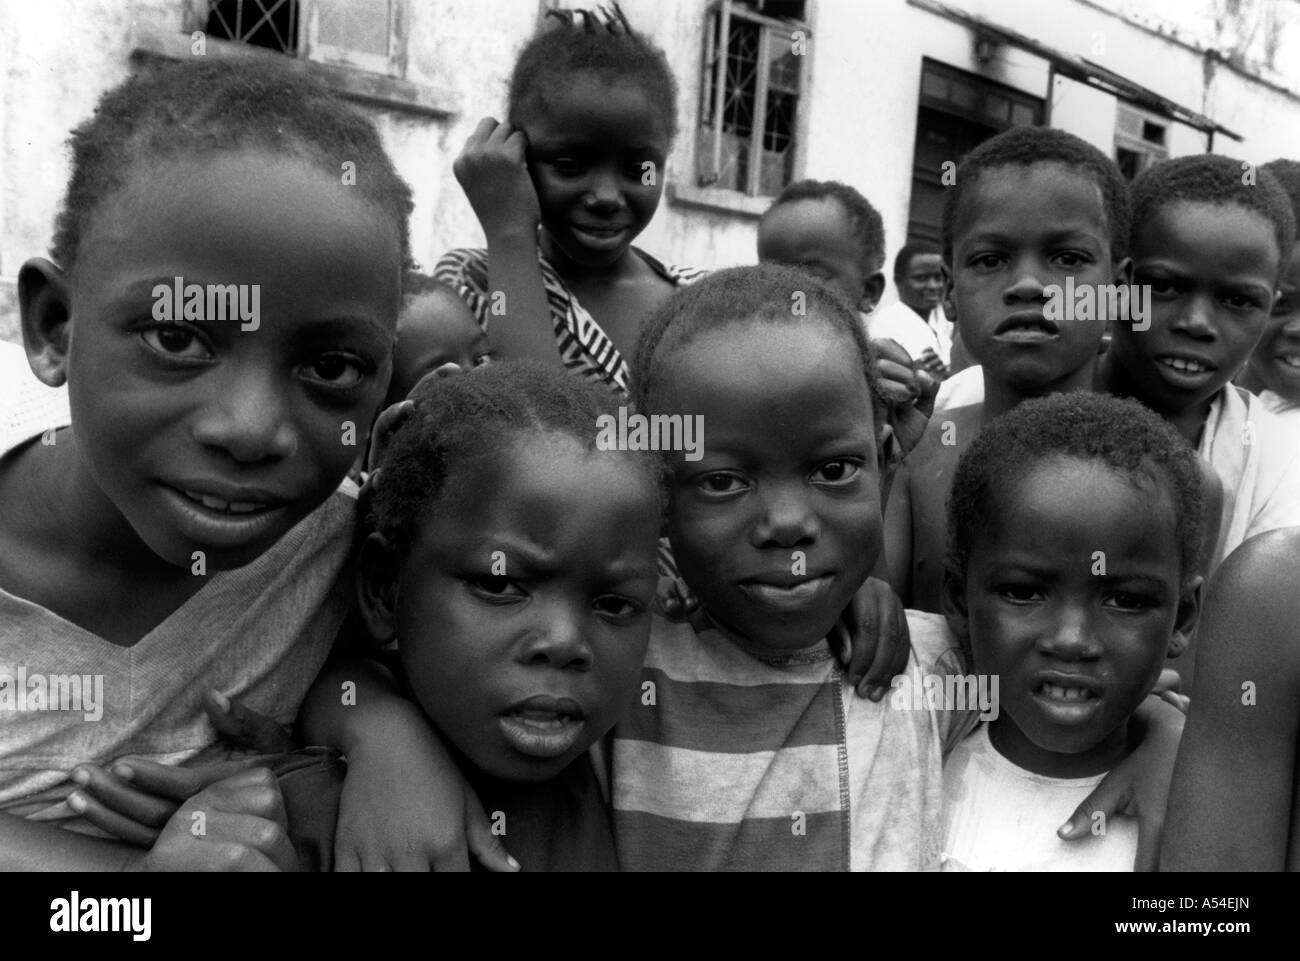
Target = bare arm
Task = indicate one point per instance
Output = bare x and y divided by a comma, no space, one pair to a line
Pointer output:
33,846
493,171
1233,797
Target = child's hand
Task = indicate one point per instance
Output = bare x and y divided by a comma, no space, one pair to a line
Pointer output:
674,600
406,807
133,798
872,638
909,392
236,824
1139,785
932,364
392,418
1167,689
493,171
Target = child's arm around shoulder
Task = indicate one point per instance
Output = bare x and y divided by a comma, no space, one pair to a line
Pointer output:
1232,802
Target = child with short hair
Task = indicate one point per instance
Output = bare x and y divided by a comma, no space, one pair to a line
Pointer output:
514,562
1274,368
561,189
188,532
1031,207
831,231
435,327
1075,523
1212,248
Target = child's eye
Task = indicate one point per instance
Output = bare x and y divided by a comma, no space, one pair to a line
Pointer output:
175,340
494,586
1160,286
721,483
986,261
1073,258
483,359
618,608
568,167
1243,302
1019,593
1130,602
836,472
335,370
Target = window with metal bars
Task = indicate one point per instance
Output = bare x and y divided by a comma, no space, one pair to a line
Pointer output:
755,70
357,33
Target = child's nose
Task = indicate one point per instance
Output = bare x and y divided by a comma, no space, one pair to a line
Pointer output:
604,188
1070,636
249,419
1195,318
1026,285
787,520
560,640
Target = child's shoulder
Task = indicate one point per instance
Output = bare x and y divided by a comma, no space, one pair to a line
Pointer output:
934,645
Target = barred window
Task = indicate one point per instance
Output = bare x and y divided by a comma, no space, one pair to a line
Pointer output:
754,76
366,34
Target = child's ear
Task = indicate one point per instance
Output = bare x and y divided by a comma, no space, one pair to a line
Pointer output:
952,605
45,303
377,571
949,294
873,288
1189,612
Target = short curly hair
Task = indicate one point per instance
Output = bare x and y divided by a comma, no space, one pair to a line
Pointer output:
460,418
1287,175
740,296
600,42
864,219
1214,179
1121,434
201,105
1026,146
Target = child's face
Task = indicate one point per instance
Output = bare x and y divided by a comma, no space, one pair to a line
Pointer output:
433,329
523,605
815,236
921,286
778,524
1072,597
596,152
207,436
1020,230
1276,360
1212,270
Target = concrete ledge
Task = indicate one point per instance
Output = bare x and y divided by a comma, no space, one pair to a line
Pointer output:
719,201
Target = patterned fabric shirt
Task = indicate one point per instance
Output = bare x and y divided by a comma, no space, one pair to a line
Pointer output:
738,762
582,342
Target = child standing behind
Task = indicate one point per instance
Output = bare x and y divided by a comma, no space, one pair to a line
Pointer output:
831,231
1075,526
591,116
1274,369
1032,207
1212,244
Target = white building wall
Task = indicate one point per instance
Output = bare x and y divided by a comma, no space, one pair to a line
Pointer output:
57,56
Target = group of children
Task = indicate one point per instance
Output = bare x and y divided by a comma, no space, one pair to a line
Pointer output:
534,650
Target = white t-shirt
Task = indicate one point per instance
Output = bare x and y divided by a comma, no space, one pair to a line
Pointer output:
900,323
1000,817
1288,410
961,389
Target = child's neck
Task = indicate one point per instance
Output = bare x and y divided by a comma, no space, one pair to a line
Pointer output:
1001,397
1009,741
1188,421
627,265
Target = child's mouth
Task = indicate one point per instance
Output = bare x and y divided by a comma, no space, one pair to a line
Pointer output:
607,237
207,518
542,726
1027,329
1182,371
1289,360
787,597
1066,702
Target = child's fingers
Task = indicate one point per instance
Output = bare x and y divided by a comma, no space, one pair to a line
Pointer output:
891,655
483,844
386,425
137,805
244,842
245,727
119,826
481,133
178,783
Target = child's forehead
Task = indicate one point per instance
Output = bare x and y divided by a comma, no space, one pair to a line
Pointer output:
1045,177
1202,223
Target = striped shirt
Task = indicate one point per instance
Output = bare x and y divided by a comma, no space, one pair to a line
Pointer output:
583,344
731,761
